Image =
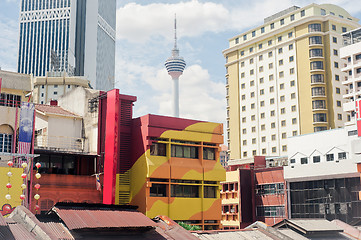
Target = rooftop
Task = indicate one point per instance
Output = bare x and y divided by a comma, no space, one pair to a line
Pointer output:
54,110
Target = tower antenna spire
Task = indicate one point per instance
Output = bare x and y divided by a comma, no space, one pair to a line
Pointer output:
175,31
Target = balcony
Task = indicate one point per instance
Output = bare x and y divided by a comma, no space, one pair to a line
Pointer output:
59,143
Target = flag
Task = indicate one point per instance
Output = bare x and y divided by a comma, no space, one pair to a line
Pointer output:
97,182
26,127
0,83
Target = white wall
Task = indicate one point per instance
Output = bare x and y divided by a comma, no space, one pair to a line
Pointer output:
319,144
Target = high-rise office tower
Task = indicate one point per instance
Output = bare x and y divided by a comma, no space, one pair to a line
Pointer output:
76,36
283,79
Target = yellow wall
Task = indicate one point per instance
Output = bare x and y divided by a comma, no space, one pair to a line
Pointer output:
15,191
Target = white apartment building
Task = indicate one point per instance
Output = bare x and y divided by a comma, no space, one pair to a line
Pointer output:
351,53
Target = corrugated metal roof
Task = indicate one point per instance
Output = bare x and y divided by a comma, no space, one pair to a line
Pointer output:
315,225
171,230
78,219
59,230
20,232
2,220
234,235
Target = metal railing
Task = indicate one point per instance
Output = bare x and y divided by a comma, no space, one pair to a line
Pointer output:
60,143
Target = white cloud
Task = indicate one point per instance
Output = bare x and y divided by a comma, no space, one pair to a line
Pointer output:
9,44
200,97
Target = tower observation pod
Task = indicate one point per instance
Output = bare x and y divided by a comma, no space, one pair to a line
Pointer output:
175,66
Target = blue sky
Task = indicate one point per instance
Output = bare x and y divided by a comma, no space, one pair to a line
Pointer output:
145,40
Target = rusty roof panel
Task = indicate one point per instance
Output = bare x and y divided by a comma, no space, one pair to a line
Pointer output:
78,219
20,232
59,230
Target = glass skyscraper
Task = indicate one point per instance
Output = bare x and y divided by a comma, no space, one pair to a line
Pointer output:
76,36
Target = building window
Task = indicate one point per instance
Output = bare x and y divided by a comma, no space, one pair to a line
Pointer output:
242,53
344,29
158,149
267,189
253,141
158,190
290,47
273,137
55,93
243,97
280,50
262,103
319,117
42,86
294,120
270,54
274,149
272,113
242,75
272,101
283,110
317,78
251,50
339,116
281,74
186,191
263,139
341,155
316,52
338,103
292,17
337,77
292,70
245,37
315,40
244,143
261,69
316,159
291,59
282,21
243,85
334,39
280,39
335,52
273,125
302,13
315,27
270,77
210,192
318,129
323,12
292,83
253,33
253,106
236,40
290,34
293,95
209,153
284,148
316,65
294,133
293,108
252,94
244,131
282,98
184,151
253,117
270,66
329,157
10,100
262,115
6,142
338,90
280,62
253,129
55,86
335,64
282,86
284,135
263,151
243,108
244,154
261,80
262,29
261,92
68,86
271,89
319,104
251,72
260,46
283,123
260,57
263,127
272,25
269,42
242,64
304,160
